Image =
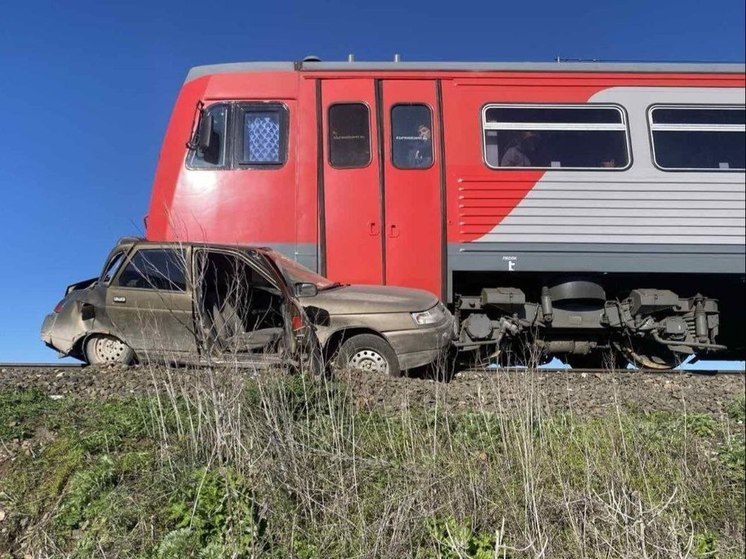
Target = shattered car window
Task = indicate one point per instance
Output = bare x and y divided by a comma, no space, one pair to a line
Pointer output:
112,267
161,269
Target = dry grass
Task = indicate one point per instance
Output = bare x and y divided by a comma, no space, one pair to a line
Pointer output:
229,462
333,480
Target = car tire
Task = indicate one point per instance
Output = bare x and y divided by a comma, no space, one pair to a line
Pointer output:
368,352
108,350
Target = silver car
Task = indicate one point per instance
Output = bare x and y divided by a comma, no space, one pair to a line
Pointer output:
202,303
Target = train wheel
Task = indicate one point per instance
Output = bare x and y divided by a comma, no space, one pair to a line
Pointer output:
587,361
522,355
600,359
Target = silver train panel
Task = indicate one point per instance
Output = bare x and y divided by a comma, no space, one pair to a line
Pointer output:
641,205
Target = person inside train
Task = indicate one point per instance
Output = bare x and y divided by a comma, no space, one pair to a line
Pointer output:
519,154
421,154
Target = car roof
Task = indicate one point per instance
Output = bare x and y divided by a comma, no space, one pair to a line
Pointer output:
128,242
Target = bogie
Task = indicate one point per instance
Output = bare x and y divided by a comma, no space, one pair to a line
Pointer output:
650,328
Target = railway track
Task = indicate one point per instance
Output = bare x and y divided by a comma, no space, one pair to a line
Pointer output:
708,372
583,391
41,365
541,370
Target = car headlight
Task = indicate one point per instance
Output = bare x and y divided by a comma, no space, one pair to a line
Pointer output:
430,316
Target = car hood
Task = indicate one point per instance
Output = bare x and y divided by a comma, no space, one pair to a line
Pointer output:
363,299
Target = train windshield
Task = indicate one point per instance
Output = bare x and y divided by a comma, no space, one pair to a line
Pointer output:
297,273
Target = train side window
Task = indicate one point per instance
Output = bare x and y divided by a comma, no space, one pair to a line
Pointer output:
557,137
263,140
411,136
349,135
215,156
160,269
688,138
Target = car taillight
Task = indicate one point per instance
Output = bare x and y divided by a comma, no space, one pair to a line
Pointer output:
297,323
58,306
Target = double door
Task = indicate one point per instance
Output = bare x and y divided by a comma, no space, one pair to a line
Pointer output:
382,185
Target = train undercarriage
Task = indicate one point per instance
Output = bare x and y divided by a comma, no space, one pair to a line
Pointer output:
574,319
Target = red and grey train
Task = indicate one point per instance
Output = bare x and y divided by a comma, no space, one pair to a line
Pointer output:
585,208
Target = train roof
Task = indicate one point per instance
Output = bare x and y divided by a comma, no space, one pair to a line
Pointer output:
560,66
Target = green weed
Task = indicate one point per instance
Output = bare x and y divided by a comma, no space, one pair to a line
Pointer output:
215,510
451,539
22,411
737,409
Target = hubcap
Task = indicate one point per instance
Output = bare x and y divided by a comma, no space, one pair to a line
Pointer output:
369,360
110,350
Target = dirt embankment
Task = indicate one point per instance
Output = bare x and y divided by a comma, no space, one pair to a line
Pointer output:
580,393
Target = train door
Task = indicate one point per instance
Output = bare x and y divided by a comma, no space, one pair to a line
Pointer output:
412,179
352,221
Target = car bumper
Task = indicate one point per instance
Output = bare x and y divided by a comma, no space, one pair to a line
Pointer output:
423,345
51,335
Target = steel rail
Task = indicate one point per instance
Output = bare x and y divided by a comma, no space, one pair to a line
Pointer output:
42,365
693,372
481,371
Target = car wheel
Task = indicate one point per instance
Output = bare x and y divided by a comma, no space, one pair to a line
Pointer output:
108,350
367,352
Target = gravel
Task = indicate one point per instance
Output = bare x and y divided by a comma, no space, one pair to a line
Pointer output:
581,393
588,394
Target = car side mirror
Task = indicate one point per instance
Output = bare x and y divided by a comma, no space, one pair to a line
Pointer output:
204,133
306,289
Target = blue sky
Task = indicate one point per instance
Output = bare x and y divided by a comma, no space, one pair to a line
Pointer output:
87,88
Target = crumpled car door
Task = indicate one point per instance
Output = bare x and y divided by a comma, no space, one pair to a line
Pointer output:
301,343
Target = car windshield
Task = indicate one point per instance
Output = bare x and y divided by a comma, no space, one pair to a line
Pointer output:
297,273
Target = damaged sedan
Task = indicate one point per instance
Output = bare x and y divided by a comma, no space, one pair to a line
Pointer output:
204,303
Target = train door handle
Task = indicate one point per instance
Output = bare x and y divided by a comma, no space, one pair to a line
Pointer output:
393,231
373,229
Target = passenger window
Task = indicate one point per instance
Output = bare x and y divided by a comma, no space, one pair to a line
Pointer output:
349,135
264,136
698,138
412,136
555,137
160,269
214,157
